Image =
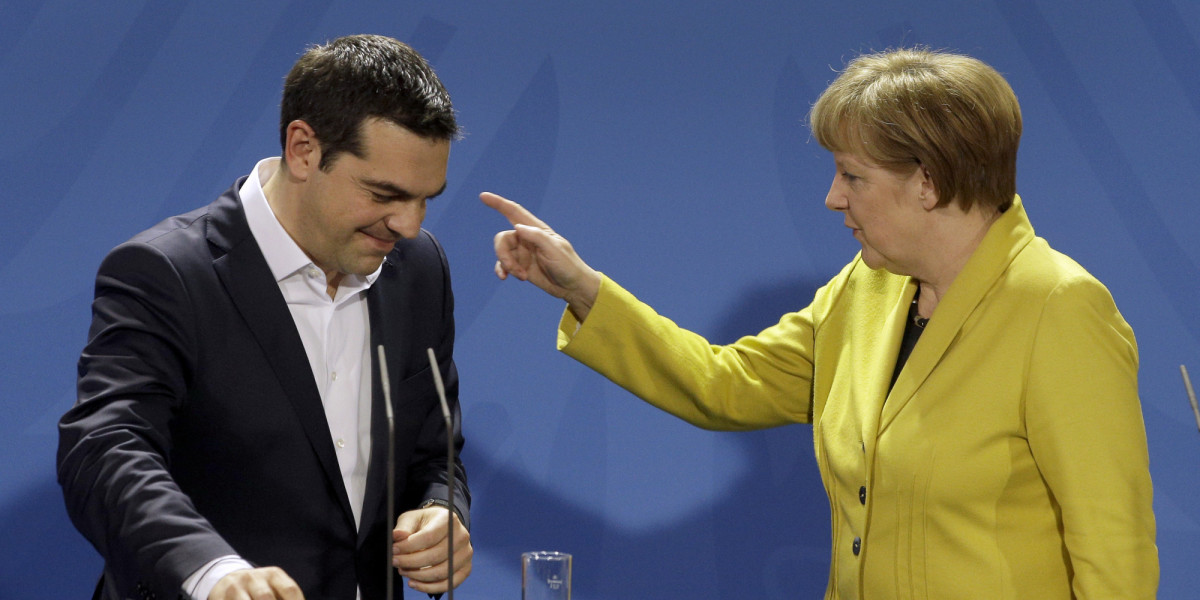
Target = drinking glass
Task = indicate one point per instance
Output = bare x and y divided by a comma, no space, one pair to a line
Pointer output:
545,576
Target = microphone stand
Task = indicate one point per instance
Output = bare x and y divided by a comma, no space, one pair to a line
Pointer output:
1187,382
391,471
391,468
441,391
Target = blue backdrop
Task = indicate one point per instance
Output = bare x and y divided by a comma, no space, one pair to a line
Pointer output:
666,140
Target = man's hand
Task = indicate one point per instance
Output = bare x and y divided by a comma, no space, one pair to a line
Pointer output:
532,252
419,548
266,583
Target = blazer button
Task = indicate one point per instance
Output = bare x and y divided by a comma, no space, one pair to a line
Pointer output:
862,494
857,546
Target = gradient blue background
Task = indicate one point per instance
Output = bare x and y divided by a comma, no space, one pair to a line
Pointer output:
666,140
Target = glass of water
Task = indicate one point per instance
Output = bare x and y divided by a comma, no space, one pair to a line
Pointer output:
545,576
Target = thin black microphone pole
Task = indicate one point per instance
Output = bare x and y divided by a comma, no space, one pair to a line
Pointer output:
441,391
1187,383
389,520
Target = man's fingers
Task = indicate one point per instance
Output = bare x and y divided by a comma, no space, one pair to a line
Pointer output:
407,543
421,529
283,585
515,213
421,555
264,583
432,579
433,556
410,522
438,585
259,588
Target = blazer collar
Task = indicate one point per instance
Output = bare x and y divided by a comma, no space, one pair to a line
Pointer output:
1002,243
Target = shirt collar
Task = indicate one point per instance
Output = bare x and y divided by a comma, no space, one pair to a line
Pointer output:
283,255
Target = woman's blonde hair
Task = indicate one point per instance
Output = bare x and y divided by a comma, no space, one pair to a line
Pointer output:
952,114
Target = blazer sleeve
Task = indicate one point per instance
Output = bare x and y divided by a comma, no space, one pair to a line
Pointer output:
115,443
1085,430
427,469
758,381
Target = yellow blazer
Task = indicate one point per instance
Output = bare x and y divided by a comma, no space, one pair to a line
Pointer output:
1009,460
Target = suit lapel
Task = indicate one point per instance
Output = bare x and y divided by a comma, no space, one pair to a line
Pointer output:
1006,237
251,286
388,305
875,371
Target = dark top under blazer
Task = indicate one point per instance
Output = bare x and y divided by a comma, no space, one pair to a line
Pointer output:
199,430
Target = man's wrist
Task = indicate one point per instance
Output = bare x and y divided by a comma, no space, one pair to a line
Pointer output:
430,503
200,584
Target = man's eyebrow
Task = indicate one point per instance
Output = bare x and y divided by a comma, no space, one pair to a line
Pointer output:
394,191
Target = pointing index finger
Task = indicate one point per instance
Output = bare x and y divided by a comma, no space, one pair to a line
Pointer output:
515,213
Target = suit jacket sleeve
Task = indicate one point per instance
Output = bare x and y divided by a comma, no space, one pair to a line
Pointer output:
115,444
426,469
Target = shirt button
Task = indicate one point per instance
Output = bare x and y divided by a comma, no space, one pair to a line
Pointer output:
333,375
857,546
342,444
862,494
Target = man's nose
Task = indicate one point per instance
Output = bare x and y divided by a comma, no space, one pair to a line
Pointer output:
406,218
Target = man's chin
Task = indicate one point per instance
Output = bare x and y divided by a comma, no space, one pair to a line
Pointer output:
365,266
372,267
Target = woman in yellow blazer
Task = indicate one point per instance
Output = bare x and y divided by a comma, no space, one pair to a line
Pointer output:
973,392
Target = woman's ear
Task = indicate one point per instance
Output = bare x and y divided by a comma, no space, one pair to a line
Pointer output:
929,194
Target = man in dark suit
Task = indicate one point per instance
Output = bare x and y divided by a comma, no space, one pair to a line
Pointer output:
229,440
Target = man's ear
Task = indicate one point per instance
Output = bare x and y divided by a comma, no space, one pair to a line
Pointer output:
301,150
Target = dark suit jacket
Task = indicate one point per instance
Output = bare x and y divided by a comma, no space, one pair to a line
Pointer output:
199,430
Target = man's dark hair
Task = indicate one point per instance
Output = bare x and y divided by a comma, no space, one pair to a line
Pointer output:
336,86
